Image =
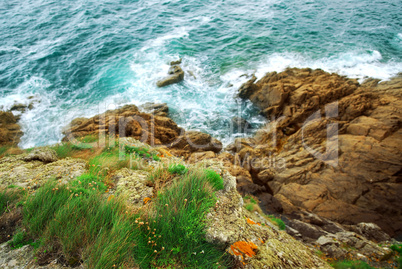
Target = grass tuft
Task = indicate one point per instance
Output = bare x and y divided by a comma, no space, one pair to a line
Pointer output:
178,169
214,179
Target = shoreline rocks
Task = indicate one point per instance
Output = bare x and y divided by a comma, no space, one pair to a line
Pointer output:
340,143
10,130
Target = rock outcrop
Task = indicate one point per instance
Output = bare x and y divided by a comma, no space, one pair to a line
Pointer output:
10,130
31,170
154,130
332,147
252,242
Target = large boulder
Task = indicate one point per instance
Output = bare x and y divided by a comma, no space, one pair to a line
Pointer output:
335,147
154,130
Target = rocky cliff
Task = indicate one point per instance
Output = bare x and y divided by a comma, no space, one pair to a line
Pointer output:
337,143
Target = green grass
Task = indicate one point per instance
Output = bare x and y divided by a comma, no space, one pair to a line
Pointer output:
178,169
179,220
252,200
21,239
214,179
351,265
79,222
3,149
398,250
278,222
8,197
249,207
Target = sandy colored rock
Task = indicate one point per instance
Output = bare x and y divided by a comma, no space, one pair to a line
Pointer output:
15,170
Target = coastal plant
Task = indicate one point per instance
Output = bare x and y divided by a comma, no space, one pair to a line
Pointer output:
214,179
249,207
398,250
8,197
177,226
351,265
103,233
21,239
278,222
178,169
3,150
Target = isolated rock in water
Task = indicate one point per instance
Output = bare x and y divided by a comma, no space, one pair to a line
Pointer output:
45,155
176,75
156,109
337,145
18,107
240,125
10,130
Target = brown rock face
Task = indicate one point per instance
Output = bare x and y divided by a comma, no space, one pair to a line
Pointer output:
10,131
333,147
128,121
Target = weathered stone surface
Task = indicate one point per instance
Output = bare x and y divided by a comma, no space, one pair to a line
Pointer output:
340,143
161,110
44,154
10,131
197,141
230,224
15,170
240,125
132,184
154,130
23,258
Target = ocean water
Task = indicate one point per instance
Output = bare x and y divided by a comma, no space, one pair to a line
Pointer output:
80,58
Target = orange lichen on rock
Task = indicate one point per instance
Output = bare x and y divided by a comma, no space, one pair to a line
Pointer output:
249,221
242,248
146,200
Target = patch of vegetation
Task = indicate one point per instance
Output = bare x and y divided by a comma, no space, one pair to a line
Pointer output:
178,169
278,222
398,250
351,265
140,152
21,239
175,234
9,197
3,150
86,227
214,179
251,199
63,150
249,207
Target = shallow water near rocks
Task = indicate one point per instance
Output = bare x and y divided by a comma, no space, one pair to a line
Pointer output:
80,58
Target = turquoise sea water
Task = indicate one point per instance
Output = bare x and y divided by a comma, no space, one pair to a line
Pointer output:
79,58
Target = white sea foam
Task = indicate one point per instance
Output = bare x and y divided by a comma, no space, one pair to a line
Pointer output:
351,64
